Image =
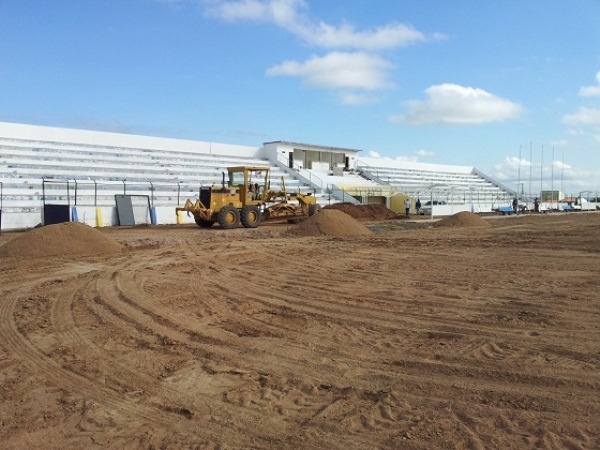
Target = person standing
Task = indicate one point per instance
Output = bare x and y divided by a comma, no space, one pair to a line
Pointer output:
407,207
418,206
515,205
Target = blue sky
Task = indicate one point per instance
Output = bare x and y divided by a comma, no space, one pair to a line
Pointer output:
500,85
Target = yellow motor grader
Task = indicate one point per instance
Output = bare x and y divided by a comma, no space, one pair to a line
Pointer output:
246,198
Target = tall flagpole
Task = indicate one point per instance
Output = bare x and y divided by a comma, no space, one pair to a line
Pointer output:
562,171
552,180
530,167
519,174
542,172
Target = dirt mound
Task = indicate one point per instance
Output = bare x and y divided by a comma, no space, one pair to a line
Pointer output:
64,239
330,222
365,212
462,219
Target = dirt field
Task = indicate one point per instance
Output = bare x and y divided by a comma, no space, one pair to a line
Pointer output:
473,334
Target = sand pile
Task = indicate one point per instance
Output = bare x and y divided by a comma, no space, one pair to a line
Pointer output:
462,219
64,239
330,222
365,212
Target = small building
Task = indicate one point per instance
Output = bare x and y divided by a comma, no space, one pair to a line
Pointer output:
312,157
552,196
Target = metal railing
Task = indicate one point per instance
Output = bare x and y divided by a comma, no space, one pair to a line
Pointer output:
98,193
307,175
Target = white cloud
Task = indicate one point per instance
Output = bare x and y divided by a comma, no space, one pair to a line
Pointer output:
457,105
591,91
549,170
560,143
584,116
422,153
345,36
405,158
243,10
374,154
284,13
561,165
351,63
339,71
556,174
354,98
519,162
581,180
510,167
586,121
289,15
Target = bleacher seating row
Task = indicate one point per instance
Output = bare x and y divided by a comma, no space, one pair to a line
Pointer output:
453,186
92,175
36,171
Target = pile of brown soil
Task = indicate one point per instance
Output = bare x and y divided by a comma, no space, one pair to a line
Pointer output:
462,219
365,212
64,239
330,222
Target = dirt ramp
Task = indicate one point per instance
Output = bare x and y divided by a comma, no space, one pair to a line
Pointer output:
64,239
365,212
330,222
462,219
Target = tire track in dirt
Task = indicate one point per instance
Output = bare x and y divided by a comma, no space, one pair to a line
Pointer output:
157,413
537,316
234,290
147,320
280,390
121,376
489,350
157,406
301,348
37,361
443,379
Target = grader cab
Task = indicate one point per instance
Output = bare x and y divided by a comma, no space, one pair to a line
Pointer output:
246,197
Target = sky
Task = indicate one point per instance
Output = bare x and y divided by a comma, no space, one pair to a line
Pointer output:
511,87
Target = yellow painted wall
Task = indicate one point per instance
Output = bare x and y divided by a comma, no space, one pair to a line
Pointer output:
397,203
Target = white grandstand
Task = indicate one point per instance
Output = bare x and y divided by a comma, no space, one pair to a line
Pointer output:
85,170
464,187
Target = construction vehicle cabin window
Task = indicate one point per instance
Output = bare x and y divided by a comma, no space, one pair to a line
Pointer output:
236,178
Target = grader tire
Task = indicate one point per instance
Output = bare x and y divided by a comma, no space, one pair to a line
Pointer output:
204,223
228,217
250,216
